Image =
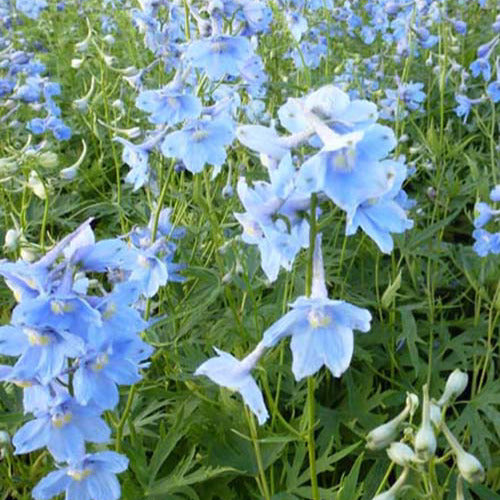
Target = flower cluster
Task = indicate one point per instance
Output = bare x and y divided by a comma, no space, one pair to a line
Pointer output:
349,166
213,63
424,440
22,82
76,339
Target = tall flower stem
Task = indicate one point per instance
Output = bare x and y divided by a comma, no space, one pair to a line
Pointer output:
133,389
258,456
311,445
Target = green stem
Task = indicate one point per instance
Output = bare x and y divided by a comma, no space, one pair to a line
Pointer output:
258,456
44,220
310,380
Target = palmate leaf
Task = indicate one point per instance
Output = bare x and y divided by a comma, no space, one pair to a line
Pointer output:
481,417
187,473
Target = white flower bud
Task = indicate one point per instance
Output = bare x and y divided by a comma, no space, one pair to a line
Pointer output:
36,185
48,159
392,492
27,252
385,434
425,439
435,415
455,385
109,39
469,466
401,454
412,402
77,63
69,173
12,239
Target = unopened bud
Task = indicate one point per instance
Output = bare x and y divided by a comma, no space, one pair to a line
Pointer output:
455,385
435,414
77,63
425,439
48,159
12,239
392,492
469,466
401,454
36,185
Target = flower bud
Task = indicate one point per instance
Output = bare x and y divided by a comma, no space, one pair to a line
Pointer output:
36,185
435,415
425,439
412,402
401,454
12,239
469,466
48,159
455,385
77,63
393,491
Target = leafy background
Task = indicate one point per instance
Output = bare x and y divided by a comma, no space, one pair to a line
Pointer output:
436,304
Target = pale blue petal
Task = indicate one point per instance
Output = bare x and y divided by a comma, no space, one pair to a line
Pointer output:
252,396
51,485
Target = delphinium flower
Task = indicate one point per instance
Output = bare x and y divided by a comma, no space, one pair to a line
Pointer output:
481,65
397,103
227,371
75,343
24,83
486,241
275,218
321,329
353,167
92,476
31,8
464,105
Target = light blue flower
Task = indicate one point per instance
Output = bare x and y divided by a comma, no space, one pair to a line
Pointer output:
321,329
93,477
200,142
63,429
227,371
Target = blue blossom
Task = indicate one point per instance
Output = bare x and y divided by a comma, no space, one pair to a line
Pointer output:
63,428
219,55
92,477
31,8
227,371
274,218
495,193
321,329
169,105
481,66
494,91
200,142
486,242
483,213
42,351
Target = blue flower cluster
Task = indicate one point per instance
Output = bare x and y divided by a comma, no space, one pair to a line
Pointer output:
349,165
487,242
31,8
194,113
22,81
75,343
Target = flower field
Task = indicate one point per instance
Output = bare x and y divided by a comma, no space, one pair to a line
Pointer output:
251,249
